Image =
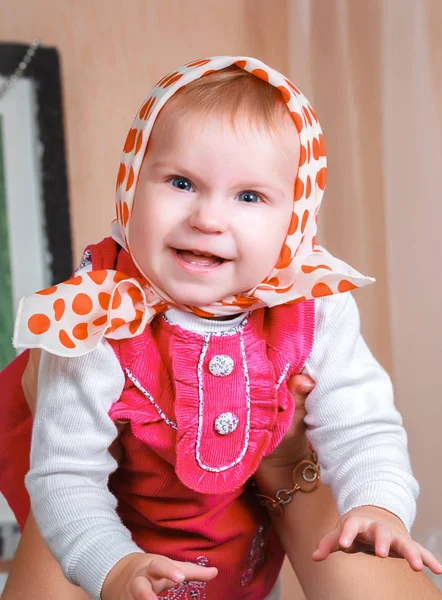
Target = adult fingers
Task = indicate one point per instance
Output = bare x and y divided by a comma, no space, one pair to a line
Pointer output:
300,387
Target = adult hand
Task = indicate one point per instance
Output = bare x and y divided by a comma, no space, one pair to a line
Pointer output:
294,447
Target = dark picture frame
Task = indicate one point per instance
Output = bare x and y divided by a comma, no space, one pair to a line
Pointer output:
44,71
35,235
37,218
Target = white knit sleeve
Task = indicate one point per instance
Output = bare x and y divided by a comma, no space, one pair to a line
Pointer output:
71,464
351,418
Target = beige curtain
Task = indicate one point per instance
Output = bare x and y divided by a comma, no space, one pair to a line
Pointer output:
373,71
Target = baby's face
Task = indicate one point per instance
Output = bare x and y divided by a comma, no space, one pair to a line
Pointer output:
213,205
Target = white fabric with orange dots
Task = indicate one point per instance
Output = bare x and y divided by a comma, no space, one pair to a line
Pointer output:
71,318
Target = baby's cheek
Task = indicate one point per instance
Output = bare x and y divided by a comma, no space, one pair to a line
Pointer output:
275,245
260,266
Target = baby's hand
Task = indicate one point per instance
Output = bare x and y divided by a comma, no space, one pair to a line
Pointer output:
143,576
375,530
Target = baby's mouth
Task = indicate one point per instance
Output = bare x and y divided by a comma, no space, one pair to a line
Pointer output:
202,259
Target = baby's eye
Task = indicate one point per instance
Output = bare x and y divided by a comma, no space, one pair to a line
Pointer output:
249,197
182,184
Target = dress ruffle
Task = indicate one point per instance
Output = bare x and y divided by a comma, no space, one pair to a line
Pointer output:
183,408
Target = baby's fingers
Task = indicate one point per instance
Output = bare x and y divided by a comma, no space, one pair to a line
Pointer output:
430,560
328,544
418,556
160,574
408,549
342,538
351,528
193,572
141,589
163,568
382,539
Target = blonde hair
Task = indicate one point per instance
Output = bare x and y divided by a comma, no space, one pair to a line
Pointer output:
231,92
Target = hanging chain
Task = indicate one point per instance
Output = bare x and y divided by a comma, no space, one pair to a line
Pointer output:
23,65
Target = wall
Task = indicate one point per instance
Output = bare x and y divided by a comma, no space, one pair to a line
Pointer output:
373,71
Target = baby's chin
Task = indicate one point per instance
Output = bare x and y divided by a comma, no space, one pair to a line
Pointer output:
197,298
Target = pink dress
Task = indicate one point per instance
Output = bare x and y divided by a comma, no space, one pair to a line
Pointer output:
201,410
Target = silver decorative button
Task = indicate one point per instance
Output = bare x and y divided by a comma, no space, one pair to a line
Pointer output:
221,365
226,423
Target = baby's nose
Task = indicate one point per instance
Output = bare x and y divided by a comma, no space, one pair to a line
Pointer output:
209,217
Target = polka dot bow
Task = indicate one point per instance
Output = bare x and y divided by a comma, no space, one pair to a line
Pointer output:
70,319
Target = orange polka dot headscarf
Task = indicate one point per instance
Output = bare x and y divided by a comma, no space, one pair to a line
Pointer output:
70,319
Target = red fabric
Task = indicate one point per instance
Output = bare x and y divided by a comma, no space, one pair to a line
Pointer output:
104,255
15,438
